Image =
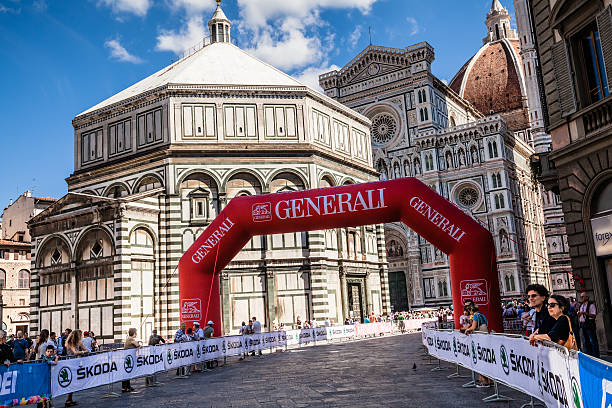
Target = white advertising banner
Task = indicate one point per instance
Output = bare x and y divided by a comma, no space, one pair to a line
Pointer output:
543,372
78,374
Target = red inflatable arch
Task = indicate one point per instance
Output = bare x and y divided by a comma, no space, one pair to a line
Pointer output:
470,247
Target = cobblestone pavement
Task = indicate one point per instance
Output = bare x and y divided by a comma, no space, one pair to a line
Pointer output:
372,373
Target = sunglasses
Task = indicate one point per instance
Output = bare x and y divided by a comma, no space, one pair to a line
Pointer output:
533,296
549,305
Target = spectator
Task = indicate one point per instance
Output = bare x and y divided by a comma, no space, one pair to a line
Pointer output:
56,342
43,342
327,322
154,340
88,341
298,322
6,353
50,357
94,344
130,343
209,332
244,330
510,312
198,334
572,312
74,347
63,338
21,347
180,333
538,295
465,320
586,317
561,332
479,324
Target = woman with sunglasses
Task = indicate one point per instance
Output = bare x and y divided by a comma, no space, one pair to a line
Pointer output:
561,331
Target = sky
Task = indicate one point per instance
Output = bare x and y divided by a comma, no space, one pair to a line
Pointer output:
61,57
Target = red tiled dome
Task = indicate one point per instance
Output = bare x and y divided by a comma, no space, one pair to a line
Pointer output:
491,81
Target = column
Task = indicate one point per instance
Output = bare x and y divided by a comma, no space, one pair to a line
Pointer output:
225,303
318,276
122,310
368,295
383,269
343,293
271,300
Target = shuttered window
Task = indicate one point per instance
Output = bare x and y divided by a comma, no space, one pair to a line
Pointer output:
604,24
563,78
240,121
149,127
199,121
91,146
280,121
120,137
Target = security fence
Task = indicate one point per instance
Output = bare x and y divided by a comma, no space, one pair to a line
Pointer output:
30,383
548,372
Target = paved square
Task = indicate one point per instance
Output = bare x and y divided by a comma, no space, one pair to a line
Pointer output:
372,373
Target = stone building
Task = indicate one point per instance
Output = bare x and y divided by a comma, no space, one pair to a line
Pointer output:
574,43
554,227
155,164
470,141
15,263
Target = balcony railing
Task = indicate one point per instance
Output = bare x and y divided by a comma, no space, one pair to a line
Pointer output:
597,116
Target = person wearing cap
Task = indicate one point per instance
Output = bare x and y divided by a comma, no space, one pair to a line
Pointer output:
198,334
209,332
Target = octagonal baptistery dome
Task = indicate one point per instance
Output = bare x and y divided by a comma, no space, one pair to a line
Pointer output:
216,100
492,80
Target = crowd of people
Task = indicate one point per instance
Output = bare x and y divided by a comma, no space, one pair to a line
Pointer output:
541,310
543,317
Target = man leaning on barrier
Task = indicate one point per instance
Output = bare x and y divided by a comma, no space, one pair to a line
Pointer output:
561,332
537,295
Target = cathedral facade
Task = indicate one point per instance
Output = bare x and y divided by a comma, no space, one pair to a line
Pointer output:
156,163
470,141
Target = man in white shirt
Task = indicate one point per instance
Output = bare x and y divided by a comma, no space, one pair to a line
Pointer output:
256,329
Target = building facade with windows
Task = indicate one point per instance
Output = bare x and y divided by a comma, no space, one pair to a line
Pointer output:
15,260
574,43
156,163
469,141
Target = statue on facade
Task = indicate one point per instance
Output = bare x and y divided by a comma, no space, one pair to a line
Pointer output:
449,160
474,154
461,157
396,170
406,169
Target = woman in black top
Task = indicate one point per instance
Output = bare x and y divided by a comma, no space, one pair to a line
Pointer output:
557,307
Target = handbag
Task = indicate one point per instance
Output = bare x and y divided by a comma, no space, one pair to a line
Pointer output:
570,343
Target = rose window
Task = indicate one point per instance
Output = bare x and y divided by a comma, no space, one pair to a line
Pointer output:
384,128
468,197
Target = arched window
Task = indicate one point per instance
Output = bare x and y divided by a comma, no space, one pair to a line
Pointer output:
507,280
2,279
420,98
495,154
499,201
421,114
426,114
23,279
148,183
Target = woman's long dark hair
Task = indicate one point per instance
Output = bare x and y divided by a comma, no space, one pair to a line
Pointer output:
44,336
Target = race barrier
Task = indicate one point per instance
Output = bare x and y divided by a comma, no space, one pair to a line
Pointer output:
17,387
78,374
547,372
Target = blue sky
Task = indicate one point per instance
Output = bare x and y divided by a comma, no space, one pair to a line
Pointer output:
60,57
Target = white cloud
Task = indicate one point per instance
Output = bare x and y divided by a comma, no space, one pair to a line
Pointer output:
191,6
288,34
137,7
181,40
355,36
413,25
118,52
310,76
258,12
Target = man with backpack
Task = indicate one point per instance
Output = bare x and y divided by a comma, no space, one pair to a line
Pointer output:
586,318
